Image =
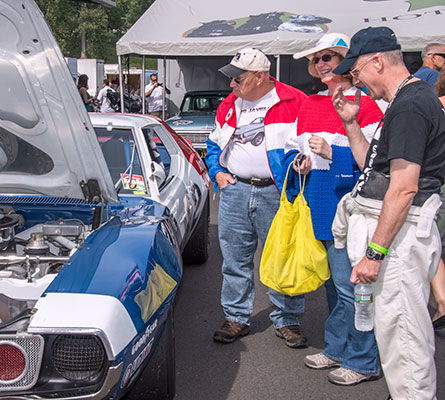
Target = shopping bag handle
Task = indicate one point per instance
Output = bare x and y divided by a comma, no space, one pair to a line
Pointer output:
283,193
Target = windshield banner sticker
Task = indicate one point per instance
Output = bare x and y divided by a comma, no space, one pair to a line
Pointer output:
137,182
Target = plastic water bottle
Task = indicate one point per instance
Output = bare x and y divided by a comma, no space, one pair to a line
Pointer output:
364,307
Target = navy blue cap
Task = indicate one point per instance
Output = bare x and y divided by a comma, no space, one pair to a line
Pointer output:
367,41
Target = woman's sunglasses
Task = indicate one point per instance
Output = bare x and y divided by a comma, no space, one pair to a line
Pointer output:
324,57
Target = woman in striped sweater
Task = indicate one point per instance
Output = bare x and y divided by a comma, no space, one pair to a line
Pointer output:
331,172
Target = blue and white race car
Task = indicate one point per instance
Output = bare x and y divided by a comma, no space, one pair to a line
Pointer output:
95,217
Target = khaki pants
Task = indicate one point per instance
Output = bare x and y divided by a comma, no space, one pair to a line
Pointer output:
402,324
403,329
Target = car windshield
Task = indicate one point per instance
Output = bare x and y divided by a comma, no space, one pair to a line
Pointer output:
122,159
201,103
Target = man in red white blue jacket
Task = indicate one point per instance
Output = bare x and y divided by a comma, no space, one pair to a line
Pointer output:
245,158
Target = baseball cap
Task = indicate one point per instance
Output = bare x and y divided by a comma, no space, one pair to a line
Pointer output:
367,41
336,42
249,59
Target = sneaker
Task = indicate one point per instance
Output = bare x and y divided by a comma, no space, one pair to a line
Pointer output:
293,336
229,331
320,361
347,377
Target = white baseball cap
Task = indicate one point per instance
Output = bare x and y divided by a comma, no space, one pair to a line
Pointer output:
249,59
336,42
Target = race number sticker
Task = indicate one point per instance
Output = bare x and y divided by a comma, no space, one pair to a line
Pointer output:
136,184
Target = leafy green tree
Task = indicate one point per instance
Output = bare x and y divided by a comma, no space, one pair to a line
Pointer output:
89,30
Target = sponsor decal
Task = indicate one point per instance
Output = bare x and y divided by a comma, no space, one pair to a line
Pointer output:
135,365
136,184
144,337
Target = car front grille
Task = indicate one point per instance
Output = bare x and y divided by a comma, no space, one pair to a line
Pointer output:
195,137
16,374
78,357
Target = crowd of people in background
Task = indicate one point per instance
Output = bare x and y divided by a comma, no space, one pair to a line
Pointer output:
374,172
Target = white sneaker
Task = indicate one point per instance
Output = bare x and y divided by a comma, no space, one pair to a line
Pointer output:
347,377
320,361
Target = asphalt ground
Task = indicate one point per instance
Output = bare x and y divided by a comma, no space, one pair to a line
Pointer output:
258,366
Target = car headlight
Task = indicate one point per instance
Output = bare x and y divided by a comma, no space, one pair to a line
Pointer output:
78,357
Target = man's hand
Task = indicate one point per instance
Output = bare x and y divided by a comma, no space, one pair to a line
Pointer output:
366,271
319,146
346,109
223,179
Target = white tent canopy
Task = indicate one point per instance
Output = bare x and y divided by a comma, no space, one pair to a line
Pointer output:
175,28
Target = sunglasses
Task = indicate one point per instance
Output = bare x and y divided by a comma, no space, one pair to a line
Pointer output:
439,54
324,57
238,80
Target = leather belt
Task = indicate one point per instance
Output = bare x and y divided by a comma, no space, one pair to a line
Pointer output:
255,181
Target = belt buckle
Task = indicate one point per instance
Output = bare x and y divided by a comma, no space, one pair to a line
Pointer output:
255,181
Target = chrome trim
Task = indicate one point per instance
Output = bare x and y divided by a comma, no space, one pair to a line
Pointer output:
78,331
37,365
9,260
109,385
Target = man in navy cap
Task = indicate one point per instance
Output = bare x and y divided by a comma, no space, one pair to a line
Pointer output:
392,238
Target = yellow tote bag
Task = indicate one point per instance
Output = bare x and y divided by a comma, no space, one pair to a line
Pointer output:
293,261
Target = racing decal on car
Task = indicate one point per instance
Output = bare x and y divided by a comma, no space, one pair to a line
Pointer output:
159,286
261,23
135,365
144,337
137,183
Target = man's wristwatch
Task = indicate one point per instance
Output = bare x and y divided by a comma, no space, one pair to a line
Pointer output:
374,255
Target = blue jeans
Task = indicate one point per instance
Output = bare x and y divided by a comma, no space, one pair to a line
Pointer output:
356,350
245,215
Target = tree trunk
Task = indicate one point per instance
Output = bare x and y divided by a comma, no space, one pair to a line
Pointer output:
83,51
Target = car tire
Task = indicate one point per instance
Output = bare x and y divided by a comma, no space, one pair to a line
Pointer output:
258,139
197,249
158,380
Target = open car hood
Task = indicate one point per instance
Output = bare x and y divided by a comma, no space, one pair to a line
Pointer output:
47,143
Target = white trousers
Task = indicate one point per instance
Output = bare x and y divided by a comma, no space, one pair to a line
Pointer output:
402,324
403,329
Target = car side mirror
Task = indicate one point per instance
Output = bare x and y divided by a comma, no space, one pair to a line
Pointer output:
158,173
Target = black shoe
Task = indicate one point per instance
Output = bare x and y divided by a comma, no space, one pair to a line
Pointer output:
439,323
229,331
293,336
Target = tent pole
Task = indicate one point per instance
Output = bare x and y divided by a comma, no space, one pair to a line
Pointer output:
143,85
121,82
164,81
278,57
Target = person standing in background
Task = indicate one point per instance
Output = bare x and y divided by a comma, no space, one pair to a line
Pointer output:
154,92
438,282
82,86
433,57
105,105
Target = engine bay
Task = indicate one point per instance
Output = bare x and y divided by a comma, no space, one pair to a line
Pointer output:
31,258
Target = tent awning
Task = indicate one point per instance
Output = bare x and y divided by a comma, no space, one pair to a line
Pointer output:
211,28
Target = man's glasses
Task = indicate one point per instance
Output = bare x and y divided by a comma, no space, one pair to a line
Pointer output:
438,54
239,80
324,57
356,71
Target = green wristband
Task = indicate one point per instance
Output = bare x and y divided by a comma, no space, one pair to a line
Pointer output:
378,248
